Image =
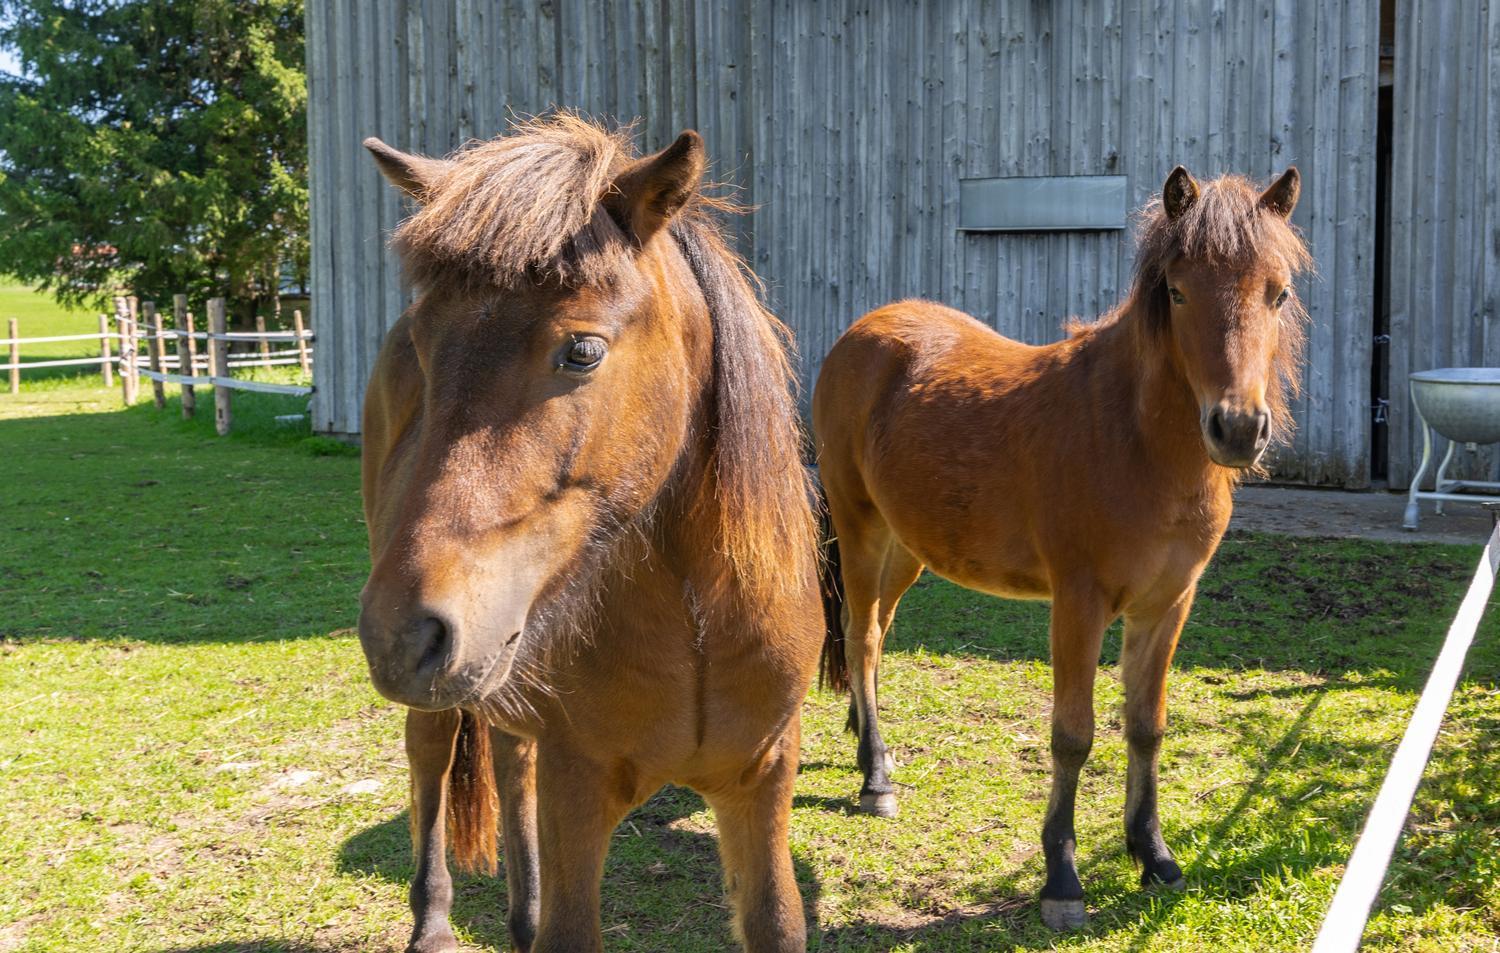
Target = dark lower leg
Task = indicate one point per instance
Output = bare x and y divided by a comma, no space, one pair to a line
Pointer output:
1069,752
430,737
1078,623
1142,825
515,779
1150,640
877,795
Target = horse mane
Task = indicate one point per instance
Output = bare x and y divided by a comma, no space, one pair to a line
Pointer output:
527,208
1226,224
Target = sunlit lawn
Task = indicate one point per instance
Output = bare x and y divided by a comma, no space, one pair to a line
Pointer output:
192,758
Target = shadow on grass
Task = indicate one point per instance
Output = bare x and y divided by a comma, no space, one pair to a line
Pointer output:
131,525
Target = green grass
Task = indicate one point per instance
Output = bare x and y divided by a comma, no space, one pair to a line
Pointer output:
40,316
188,720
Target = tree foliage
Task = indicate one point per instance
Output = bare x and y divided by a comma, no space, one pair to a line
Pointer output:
157,145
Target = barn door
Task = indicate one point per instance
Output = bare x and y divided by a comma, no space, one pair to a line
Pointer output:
1445,207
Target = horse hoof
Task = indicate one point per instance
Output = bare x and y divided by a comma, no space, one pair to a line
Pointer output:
1175,886
435,942
878,805
1064,914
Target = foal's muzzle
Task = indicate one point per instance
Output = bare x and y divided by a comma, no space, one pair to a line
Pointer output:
1236,436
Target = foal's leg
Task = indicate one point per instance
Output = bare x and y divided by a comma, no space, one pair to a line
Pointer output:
752,815
430,737
1150,639
1078,623
876,574
578,806
515,779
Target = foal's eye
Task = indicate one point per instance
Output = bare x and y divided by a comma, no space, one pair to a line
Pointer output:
1176,296
1281,298
583,355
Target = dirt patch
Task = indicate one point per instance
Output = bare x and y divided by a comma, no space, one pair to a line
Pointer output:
1289,511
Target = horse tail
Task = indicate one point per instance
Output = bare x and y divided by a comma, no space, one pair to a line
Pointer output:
473,802
833,667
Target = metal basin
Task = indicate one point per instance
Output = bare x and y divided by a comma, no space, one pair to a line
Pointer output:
1461,403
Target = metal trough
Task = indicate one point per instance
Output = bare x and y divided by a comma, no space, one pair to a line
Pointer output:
1462,404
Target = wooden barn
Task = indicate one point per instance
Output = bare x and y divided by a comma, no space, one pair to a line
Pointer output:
880,143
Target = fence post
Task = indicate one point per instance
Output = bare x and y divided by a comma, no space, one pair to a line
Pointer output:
298,327
265,346
218,360
187,352
106,368
124,320
154,350
15,356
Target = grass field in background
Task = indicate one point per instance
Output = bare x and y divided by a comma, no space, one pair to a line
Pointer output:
40,316
193,759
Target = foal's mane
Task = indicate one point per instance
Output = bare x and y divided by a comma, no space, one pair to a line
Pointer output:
528,208
1227,224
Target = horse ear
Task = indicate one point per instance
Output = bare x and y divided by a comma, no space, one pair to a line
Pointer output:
412,174
644,197
1281,196
1179,194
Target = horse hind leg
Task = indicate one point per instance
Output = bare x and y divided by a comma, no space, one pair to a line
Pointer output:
1150,640
515,779
875,578
430,741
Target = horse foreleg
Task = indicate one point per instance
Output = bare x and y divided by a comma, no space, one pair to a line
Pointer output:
752,815
430,737
1150,639
1078,624
515,779
578,806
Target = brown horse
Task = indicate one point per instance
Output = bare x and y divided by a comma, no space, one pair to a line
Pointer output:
1095,472
594,564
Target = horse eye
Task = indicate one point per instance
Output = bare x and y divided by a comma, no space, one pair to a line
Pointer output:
1176,296
583,355
1281,298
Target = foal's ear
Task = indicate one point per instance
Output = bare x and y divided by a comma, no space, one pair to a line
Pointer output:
644,197
1179,194
1281,196
412,174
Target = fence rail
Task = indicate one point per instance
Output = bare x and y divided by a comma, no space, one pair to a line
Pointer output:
139,328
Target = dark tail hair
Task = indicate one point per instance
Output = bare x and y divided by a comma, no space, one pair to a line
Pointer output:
833,667
473,802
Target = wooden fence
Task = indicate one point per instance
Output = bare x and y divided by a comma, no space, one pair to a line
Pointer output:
142,346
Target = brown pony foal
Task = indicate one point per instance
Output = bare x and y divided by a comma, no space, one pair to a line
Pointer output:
593,550
1095,472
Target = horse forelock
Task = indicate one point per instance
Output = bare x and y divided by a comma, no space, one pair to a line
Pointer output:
522,208
1226,225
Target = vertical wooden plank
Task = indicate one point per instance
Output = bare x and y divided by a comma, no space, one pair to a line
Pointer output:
15,355
124,322
301,331
187,353
106,366
154,352
218,353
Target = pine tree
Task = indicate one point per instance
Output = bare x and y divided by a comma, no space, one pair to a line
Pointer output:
154,145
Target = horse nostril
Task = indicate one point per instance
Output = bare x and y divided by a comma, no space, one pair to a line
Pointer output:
431,635
1216,426
1263,435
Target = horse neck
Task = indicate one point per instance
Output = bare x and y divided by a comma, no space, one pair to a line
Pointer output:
1162,411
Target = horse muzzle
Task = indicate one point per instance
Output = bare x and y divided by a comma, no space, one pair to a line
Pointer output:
1236,435
427,658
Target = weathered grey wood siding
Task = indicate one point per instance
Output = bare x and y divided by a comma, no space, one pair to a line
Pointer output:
848,125
1445,207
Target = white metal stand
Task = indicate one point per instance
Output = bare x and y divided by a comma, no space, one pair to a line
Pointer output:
1442,487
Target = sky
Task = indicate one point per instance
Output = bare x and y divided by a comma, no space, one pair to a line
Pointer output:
8,62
